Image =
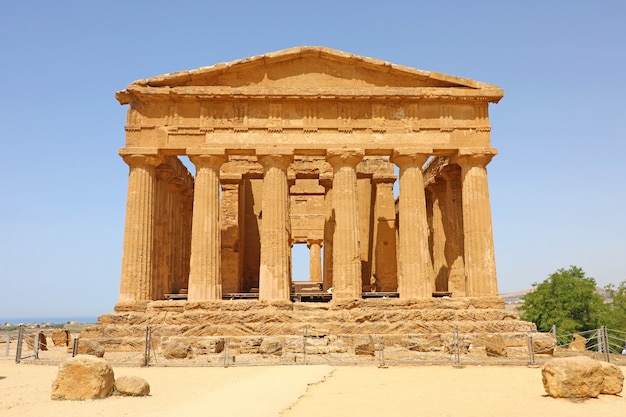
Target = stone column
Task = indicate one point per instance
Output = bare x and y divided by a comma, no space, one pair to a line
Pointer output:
347,281
315,259
384,265
232,227
438,235
181,280
137,268
480,264
162,242
414,269
274,271
204,265
329,230
453,224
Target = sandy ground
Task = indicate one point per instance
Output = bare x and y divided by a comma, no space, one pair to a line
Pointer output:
298,391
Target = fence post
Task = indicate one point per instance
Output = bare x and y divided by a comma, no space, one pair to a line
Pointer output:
20,342
75,347
304,336
226,349
531,349
605,347
36,346
146,355
381,353
456,346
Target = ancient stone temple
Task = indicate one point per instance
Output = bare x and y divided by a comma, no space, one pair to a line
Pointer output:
378,168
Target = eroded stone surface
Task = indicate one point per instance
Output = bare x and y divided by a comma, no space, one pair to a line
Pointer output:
573,377
83,377
90,347
613,379
133,386
61,337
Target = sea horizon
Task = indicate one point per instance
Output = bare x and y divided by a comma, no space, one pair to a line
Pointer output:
51,319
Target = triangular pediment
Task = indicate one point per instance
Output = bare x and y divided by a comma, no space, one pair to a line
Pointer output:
309,67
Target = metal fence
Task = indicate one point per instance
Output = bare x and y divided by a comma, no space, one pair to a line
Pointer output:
314,348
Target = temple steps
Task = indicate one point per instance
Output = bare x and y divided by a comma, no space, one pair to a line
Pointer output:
243,318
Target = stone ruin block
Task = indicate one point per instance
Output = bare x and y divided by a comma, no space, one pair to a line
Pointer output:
61,337
271,346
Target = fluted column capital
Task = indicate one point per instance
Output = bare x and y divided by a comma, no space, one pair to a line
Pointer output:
406,157
208,158
450,172
311,242
338,157
275,158
470,158
142,159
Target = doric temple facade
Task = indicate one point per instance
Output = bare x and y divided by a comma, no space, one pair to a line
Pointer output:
378,168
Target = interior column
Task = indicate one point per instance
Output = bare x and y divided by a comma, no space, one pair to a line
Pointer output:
315,259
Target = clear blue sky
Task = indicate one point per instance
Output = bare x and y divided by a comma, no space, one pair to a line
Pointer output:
558,188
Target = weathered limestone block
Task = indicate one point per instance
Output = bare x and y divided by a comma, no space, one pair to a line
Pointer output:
336,344
43,343
133,386
427,343
214,345
90,347
495,346
61,337
364,345
251,345
271,346
573,377
83,377
578,344
613,379
177,349
449,344
544,343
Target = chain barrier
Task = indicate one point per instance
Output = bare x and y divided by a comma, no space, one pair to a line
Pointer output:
317,347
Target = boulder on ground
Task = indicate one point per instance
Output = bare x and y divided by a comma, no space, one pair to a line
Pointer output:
90,347
573,377
578,344
83,377
613,379
61,337
132,386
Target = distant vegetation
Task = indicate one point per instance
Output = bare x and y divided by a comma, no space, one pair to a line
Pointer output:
568,300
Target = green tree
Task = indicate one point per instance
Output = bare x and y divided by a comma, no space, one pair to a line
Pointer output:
567,299
615,315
